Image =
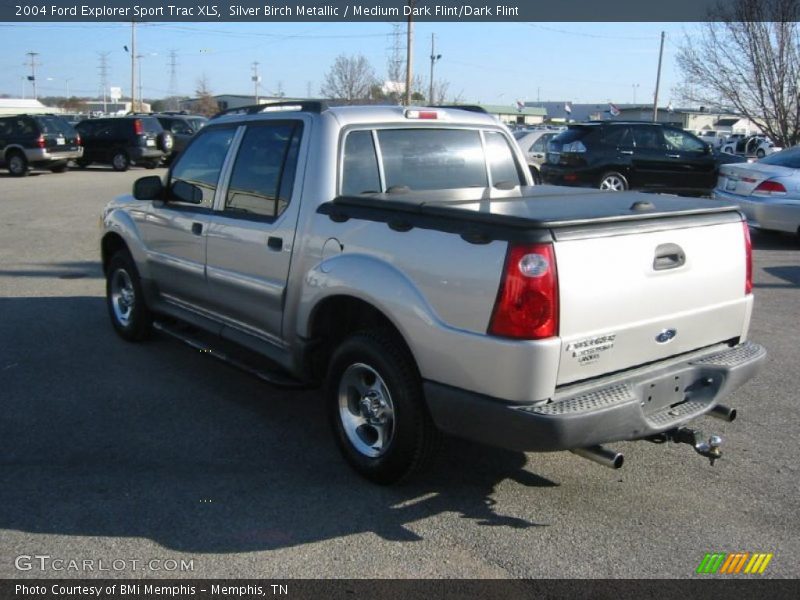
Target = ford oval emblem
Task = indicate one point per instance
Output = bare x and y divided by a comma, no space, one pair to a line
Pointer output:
666,335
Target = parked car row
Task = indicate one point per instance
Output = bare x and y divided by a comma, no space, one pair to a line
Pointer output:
51,142
622,155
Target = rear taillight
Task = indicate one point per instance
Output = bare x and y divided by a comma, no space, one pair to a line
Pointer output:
78,139
138,128
768,187
527,303
748,257
40,141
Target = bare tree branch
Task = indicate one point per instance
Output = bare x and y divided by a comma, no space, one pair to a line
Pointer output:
349,79
747,57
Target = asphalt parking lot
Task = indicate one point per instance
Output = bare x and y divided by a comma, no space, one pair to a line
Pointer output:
112,451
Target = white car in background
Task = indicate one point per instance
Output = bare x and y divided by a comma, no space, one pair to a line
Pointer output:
754,146
715,138
767,191
533,143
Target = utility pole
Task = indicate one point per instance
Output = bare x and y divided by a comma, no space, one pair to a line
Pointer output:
658,79
409,51
256,79
173,79
32,78
434,58
133,66
103,68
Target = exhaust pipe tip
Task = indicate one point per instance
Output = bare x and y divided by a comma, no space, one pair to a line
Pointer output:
603,456
724,413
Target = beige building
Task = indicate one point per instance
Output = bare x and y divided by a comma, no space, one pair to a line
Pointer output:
697,120
17,106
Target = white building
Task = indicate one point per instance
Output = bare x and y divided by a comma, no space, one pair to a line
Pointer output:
17,106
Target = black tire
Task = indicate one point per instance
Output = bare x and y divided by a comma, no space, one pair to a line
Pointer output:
59,168
760,153
613,181
150,164
83,163
17,163
120,161
129,314
380,363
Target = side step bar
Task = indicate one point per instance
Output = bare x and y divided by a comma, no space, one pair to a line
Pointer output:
189,336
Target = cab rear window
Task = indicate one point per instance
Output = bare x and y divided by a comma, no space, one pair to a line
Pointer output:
426,159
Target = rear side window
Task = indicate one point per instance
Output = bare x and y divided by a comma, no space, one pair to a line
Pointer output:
618,137
647,138
502,166
263,175
432,159
200,165
360,166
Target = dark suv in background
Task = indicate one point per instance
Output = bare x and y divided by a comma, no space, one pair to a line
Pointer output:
620,155
122,141
37,141
182,127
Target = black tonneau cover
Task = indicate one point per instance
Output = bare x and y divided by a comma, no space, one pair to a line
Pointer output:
526,213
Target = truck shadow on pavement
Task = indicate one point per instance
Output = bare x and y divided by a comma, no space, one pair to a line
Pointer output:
99,437
76,269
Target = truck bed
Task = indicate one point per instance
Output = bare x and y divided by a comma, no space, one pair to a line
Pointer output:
526,214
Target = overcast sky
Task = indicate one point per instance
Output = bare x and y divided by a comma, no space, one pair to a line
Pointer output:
496,63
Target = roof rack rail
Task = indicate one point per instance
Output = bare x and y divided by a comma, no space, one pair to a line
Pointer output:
468,107
314,106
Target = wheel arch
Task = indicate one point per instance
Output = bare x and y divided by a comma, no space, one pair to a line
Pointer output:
338,316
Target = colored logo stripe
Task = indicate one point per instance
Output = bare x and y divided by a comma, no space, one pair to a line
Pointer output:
730,564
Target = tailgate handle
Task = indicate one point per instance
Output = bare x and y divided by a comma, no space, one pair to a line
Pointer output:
668,256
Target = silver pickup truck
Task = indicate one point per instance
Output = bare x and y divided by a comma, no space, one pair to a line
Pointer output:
401,259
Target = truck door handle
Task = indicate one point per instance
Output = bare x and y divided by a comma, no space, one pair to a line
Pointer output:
275,243
626,151
197,228
673,155
668,256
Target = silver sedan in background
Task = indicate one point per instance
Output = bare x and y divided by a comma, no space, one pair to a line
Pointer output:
533,143
767,191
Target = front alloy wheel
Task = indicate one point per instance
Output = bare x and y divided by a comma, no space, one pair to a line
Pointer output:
129,314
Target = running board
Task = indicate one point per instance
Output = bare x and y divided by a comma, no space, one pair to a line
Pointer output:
201,341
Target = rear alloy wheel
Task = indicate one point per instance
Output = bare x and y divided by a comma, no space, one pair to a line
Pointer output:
120,161
376,408
613,182
129,314
17,164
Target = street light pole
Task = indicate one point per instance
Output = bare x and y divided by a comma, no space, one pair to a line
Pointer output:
434,58
658,79
133,66
410,51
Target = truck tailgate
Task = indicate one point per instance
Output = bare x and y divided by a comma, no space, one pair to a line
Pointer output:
628,298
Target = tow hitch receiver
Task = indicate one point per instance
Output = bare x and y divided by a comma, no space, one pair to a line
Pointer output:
710,447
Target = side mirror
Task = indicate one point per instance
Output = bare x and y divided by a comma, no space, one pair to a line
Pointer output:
148,188
183,191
